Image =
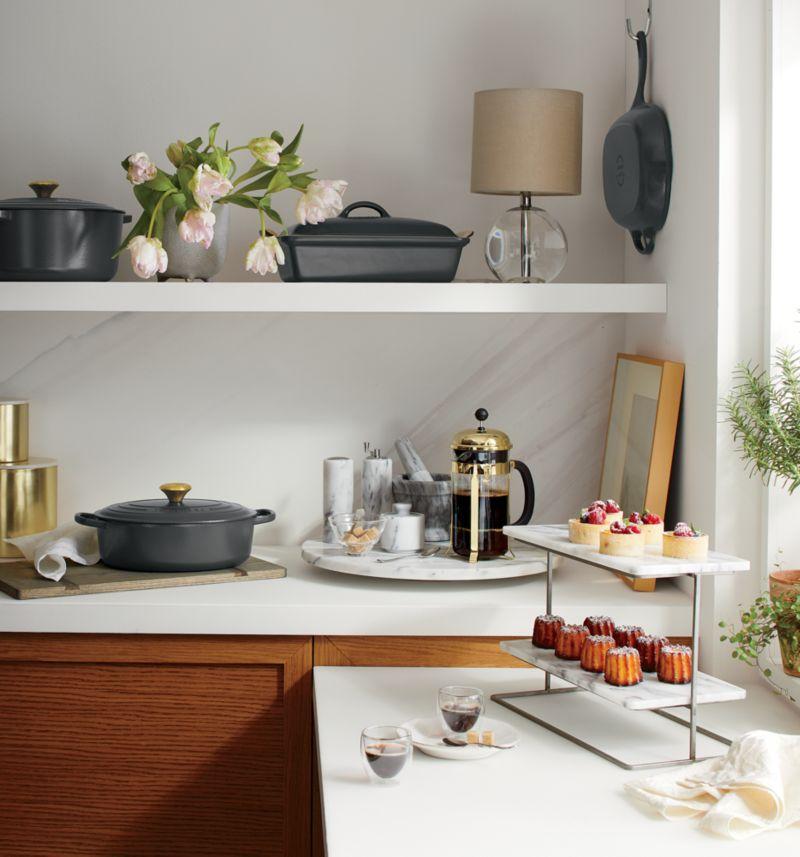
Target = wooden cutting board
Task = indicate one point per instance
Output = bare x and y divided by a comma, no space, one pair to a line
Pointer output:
20,580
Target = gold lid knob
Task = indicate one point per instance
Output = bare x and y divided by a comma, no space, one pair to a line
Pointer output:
175,491
44,188
13,432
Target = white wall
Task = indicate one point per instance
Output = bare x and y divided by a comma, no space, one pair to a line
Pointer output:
711,253
245,407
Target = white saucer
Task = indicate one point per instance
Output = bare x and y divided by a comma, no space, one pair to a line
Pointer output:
427,734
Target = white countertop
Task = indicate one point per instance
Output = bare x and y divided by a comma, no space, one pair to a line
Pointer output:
314,601
547,796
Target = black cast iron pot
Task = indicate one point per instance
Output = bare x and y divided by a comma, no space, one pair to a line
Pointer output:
55,238
175,534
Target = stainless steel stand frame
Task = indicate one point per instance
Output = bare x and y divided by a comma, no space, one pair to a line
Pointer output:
691,724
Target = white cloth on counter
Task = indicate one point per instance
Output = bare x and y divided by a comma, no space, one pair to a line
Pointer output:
50,551
754,787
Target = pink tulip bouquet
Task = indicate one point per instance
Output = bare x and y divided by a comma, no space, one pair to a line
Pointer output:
205,175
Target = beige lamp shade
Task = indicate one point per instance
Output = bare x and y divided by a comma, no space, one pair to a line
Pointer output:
527,140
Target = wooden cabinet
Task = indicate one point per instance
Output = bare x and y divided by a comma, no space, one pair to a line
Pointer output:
135,746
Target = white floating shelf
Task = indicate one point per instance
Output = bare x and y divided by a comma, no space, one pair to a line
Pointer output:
555,538
649,694
458,297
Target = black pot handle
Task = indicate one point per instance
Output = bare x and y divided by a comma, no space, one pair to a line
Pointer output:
90,520
641,50
644,240
264,516
126,218
364,204
530,493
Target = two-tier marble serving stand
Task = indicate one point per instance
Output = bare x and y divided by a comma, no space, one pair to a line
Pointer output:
650,694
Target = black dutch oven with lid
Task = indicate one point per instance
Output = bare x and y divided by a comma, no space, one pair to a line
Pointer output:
175,534
371,249
46,237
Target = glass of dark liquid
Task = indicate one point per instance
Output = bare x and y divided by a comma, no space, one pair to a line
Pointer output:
460,708
386,752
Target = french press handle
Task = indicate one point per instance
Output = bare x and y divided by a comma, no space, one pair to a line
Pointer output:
530,492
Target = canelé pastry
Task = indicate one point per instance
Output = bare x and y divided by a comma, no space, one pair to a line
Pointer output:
593,653
545,629
651,525
586,529
675,665
600,625
649,648
610,507
622,539
627,635
569,641
685,542
623,667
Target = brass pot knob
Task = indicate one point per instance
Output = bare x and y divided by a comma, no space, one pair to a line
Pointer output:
175,491
44,188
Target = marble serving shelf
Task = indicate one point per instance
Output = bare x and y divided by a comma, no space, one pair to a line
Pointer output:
555,538
525,563
458,297
646,696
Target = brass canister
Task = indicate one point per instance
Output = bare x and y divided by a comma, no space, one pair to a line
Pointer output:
13,432
28,486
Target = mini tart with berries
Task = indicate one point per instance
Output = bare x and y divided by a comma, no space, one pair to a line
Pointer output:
651,525
623,539
586,529
685,542
610,507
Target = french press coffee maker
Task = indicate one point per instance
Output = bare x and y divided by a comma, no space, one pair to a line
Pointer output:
481,481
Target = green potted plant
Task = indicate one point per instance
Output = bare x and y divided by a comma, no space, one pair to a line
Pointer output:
763,410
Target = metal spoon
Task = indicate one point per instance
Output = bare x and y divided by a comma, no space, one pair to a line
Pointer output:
421,555
460,742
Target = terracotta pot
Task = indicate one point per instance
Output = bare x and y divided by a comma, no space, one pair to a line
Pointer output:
782,583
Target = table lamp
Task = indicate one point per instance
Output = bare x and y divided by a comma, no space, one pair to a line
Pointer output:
527,142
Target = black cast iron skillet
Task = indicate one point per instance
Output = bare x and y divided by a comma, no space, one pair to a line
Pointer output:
637,165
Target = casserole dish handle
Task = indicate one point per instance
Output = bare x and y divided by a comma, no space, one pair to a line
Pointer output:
90,520
378,209
263,516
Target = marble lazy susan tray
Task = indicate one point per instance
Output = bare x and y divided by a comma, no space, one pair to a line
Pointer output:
526,562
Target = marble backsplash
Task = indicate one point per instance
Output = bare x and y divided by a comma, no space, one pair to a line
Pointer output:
245,407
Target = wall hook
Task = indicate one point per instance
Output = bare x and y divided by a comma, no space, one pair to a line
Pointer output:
629,28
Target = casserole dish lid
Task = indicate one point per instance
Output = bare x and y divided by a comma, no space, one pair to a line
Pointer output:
44,199
175,509
382,226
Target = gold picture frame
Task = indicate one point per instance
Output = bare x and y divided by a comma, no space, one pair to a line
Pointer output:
640,438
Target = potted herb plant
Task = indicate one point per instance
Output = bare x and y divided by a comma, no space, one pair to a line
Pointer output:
181,208
764,413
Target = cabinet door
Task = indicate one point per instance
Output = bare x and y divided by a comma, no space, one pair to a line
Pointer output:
136,746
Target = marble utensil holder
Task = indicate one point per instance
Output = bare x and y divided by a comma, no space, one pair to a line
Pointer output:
337,492
432,499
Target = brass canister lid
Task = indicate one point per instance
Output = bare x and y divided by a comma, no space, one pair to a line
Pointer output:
13,431
482,439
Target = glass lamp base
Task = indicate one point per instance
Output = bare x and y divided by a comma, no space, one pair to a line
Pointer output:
526,245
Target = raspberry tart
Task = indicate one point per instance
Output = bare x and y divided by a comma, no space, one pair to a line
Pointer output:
545,630
603,625
593,653
651,525
627,635
569,641
623,667
623,539
586,529
610,507
649,648
675,665
685,542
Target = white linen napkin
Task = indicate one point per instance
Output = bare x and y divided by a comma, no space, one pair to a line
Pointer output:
50,551
753,788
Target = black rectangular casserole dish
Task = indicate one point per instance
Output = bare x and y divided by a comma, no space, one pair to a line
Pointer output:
371,249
